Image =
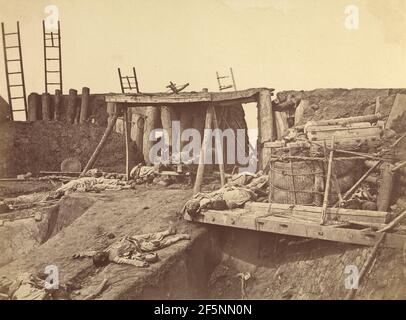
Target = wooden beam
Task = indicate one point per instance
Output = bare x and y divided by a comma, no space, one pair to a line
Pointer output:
110,126
219,147
312,213
328,183
127,144
206,141
237,219
159,99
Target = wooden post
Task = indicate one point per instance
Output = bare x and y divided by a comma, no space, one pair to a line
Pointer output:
34,107
385,189
166,119
137,130
71,110
206,141
113,111
85,104
266,125
186,121
58,105
377,105
328,182
127,143
219,147
46,106
152,116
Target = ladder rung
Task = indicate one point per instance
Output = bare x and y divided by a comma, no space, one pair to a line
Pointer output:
53,71
10,33
16,72
51,33
18,110
11,47
53,59
53,83
51,47
16,85
17,98
13,60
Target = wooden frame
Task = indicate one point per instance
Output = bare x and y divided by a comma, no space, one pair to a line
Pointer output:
239,218
119,103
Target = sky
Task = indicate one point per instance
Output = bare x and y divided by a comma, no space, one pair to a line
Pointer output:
281,44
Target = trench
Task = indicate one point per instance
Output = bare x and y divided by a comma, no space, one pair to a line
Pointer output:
23,233
275,266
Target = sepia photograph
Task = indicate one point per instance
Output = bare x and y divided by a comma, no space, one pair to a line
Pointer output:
203,155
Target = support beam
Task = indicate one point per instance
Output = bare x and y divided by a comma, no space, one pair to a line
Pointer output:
205,144
266,125
127,144
219,147
113,111
265,223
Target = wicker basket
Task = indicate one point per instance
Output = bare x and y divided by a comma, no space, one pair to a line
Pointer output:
303,182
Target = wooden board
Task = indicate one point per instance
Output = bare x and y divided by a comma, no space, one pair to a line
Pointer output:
314,213
239,219
158,99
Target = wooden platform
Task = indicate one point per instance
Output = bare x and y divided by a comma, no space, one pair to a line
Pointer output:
159,99
294,226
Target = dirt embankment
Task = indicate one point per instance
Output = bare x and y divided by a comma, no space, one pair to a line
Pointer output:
283,267
43,145
342,103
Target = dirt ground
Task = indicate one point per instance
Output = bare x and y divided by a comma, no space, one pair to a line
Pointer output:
207,266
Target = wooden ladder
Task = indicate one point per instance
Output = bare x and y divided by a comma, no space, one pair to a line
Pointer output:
128,83
52,58
225,87
13,60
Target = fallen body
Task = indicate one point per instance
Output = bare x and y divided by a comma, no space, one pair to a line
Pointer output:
135,250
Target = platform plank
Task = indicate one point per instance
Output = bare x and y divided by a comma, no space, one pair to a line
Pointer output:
294,227
158,99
